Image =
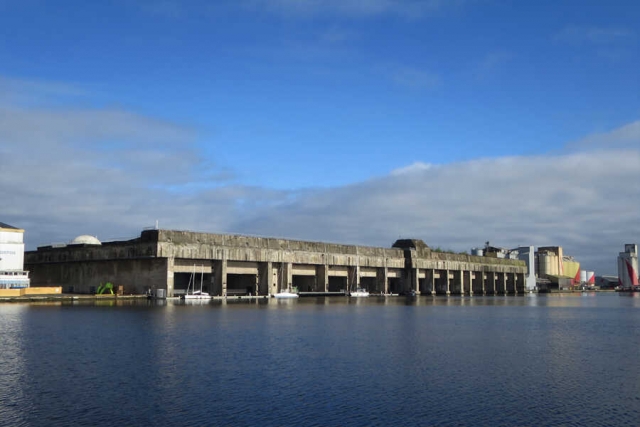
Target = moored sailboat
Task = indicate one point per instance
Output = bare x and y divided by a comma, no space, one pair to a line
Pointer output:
196,294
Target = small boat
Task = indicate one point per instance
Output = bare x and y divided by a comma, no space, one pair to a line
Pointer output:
286,294
195,294
289,292
359,292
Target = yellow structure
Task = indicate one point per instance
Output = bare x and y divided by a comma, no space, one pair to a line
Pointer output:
551,261
30,291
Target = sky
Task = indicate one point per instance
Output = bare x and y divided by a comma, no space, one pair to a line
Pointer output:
452,121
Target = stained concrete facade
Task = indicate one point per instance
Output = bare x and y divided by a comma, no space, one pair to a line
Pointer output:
231,264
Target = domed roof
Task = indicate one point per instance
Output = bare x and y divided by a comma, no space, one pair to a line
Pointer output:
85,239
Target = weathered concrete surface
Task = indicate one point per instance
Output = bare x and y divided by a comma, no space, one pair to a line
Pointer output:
257,265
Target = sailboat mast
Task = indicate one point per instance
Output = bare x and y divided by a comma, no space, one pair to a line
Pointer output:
201,276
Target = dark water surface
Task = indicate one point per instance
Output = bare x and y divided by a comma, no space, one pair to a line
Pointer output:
562,360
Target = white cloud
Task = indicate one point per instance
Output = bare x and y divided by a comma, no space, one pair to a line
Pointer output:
585,202
627,136
110,173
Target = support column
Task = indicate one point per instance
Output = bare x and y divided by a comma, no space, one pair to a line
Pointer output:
493,281
471,277
448,283
484,291
416,280
276,278
433,282
170,266
322,278
382,279
264,274
288,275
353,278
504,282
265,278
220,271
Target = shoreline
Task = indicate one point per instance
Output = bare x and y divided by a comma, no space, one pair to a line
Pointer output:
86,298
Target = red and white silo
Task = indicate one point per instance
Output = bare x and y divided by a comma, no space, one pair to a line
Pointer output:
628,266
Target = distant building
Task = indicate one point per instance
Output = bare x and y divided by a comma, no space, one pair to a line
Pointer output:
628,267
527,254
12,274
561,270
523,253
548,267
606,282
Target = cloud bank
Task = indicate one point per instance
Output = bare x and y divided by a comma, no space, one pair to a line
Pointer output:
110,173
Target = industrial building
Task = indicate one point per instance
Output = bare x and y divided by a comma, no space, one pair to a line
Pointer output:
548,268
628,267
164,262
12,274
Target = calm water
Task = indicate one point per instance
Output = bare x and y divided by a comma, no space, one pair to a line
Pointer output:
495,361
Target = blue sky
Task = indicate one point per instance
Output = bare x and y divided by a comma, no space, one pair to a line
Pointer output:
291,118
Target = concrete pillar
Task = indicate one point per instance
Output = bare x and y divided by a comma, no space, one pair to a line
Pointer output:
170,265
504,283
448,282
264,278
416,280
353,278
276,279
382,279
288,274
482,277
492,284
220,271
322,278
471,277
432,279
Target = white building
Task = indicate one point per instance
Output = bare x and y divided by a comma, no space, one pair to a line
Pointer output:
12,274
527,254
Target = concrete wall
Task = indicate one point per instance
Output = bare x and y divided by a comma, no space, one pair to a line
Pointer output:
263,265
136,276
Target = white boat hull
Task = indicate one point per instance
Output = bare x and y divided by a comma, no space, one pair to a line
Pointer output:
359,294
285,295
197,295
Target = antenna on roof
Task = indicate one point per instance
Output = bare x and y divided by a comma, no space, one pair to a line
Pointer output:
156,224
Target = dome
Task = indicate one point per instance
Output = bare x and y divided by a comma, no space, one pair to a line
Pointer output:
85,239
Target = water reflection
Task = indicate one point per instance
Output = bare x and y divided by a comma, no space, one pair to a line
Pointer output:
12,395
233,362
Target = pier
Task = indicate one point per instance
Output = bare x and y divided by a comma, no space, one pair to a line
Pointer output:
228,265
